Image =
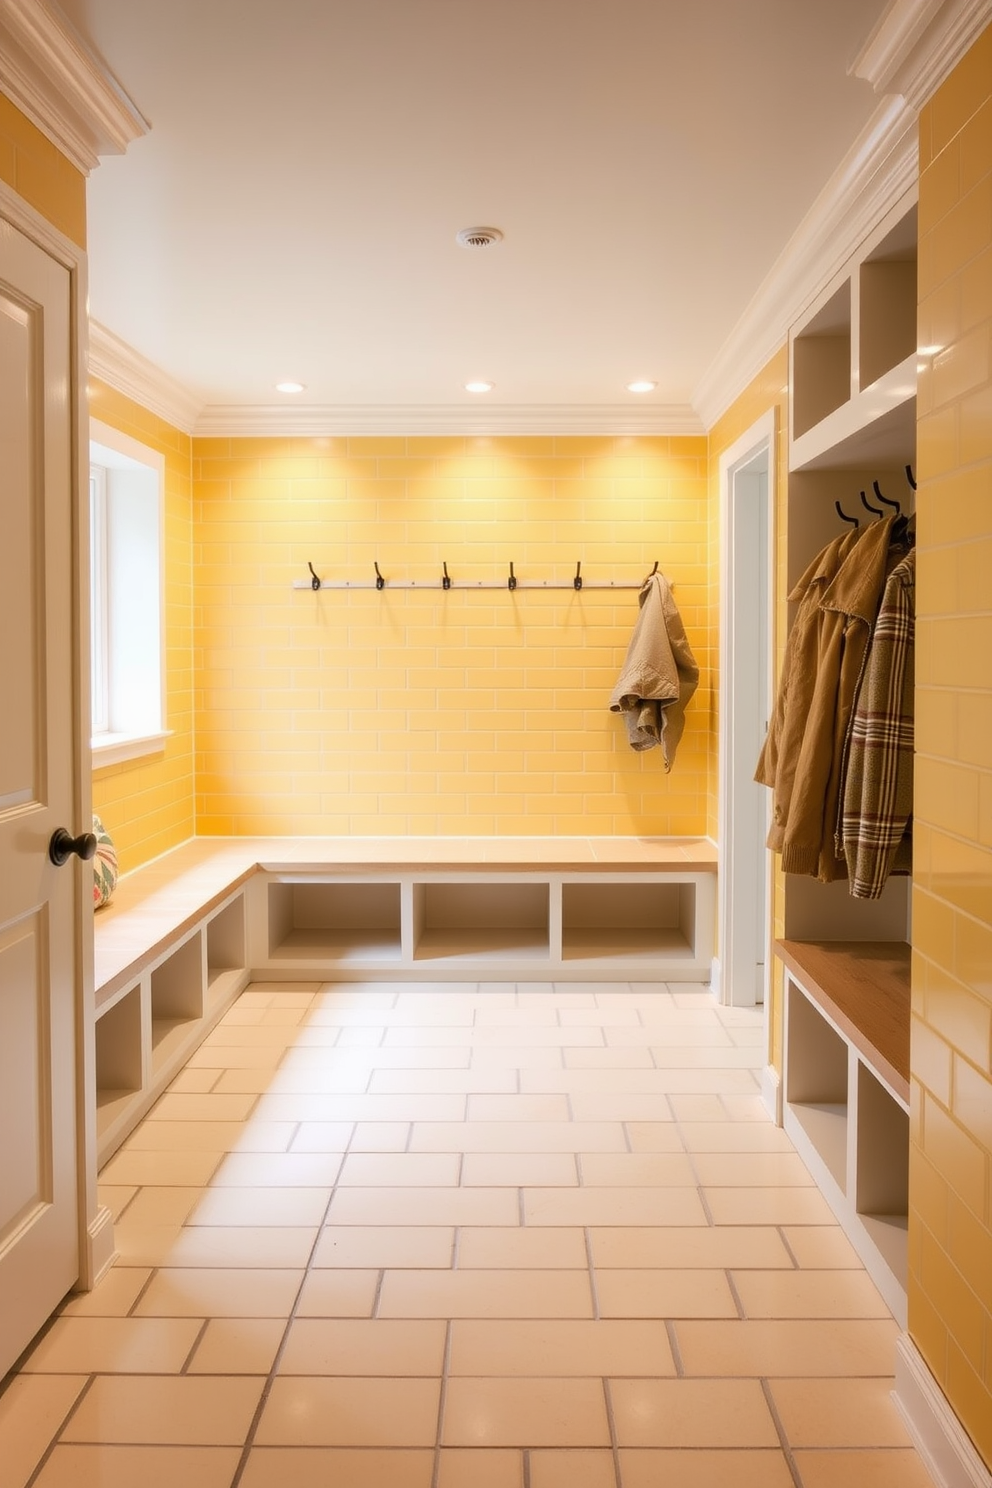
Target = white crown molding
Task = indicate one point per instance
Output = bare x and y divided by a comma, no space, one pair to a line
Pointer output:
52,76
947,1450
412,419
880,167
116,363
917,43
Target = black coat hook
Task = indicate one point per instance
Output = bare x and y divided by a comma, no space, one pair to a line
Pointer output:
314,582
910,476
875,510
380,582
577,581
511,582
844,517
445,580
887,499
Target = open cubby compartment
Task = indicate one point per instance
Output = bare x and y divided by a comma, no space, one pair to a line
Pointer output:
347,922
120,1058
882,1197
821,362
629,920
888,296
226,950
177,997
817,1082
505,920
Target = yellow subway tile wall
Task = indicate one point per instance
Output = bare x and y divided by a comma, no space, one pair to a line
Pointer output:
147,804
41,174
950,1295
429,712
769,389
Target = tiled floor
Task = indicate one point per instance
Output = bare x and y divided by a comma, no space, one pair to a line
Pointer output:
466,1237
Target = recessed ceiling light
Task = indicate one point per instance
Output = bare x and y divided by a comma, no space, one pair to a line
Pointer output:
290,387
641,386
479,387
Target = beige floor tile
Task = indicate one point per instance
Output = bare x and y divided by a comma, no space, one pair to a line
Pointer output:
32,1409
691,1248
230,1034
336,1294
519,1169
600,1016
499,1348
809,1294
163,1411
725,1136
193,1081
510,1058
181,1106
636,1170
116,1196
706,1469
403,1246
691,1413
820,1247
599,1107
567,1469
484,1294
525,1413
611,1058
86,1345
664,1294
309,1107
612,1206
761,1206
145,1245
424,1206
518,1108
316,1079
636,1081
363,1346
238,1346
217,1056
152,1467
535,1012
752,1169
113,1296
723,1056
318,1467
654,1136
285,1207
243,1246
471,1081
479,1467
179,1136
306,1411
746,1108
518,1136
503,1248
400,1170
278,1170
210,1292
186,1169
788,1347
157,1205
839,1413
320,1136
698,1108
880,1469
381,1136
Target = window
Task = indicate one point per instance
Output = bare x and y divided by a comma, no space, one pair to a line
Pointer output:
126,593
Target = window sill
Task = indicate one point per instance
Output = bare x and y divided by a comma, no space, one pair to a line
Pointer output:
114,749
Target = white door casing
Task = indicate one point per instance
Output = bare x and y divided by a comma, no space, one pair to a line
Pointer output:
42,943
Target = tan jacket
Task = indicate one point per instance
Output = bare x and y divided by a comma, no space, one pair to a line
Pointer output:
659,674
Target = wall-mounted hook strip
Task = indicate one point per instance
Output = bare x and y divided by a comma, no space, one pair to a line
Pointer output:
445,579
314,582
577,581
844,517
875,510
380,582
511,582
887,499
910,476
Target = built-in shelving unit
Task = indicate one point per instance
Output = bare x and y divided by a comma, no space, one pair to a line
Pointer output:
846,961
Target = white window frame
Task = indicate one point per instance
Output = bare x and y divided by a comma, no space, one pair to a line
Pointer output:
127,597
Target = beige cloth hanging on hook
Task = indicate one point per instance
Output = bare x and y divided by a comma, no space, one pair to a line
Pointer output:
659,674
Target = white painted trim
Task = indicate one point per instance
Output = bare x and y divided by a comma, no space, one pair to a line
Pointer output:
114,749
716,973
20,214
771,1093
947,1450
48,71
917,43
117,364
100,1252
238,422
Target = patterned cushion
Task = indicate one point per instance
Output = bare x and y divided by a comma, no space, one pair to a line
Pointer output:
104,865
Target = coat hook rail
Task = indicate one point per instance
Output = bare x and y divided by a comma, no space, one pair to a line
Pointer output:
576,584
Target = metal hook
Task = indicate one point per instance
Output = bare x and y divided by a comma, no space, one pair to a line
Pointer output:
445,581
887,499
511,582
314,582
844,517
910,476
875,510
577,581
380,582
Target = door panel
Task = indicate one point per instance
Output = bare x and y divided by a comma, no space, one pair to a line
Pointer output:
39,971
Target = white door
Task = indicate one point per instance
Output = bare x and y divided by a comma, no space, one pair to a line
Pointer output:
39,903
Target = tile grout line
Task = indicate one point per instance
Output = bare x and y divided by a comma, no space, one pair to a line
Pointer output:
57,1435
442,1401
612,1424
787,1453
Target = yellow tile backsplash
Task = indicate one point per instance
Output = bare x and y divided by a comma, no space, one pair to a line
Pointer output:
41,174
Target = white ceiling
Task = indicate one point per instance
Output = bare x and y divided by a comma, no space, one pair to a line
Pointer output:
292,210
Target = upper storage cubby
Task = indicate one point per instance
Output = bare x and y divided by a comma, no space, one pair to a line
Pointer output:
853,356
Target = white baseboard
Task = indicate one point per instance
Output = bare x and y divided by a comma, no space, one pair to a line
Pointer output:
771,1092
715,978
100,1250
946,1448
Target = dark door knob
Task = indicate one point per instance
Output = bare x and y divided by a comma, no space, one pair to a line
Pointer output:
63,845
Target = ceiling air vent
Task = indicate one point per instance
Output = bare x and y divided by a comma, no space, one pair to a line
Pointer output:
478,237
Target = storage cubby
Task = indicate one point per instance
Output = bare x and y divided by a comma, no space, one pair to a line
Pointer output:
816,1091
617,922
495,921
883,1169
342,922
887,316
226,952
821,362
176,998
119,1059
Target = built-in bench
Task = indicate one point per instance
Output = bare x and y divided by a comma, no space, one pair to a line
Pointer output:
185,934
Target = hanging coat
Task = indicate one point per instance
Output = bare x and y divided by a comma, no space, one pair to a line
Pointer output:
659,674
